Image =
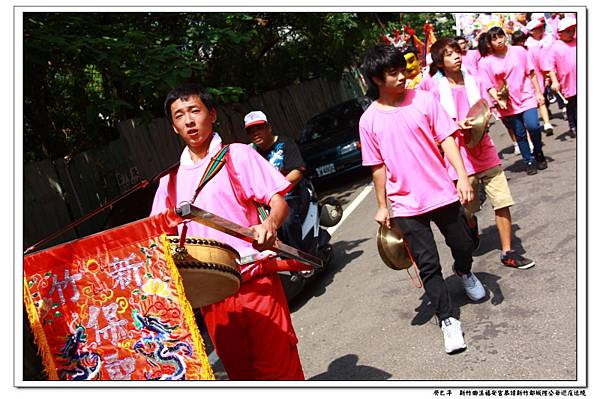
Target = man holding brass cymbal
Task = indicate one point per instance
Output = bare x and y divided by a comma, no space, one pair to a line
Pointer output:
460,94
252,330
399,135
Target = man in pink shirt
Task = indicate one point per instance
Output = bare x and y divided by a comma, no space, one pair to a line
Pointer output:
458,91
537,45
510,65
553,23
561,64
470,57
252,330
399,135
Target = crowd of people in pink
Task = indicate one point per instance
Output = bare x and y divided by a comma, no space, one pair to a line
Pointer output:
416,137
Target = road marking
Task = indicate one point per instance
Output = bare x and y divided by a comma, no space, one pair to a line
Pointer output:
212,357
352,207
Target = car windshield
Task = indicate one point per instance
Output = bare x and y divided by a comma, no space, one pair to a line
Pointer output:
332,121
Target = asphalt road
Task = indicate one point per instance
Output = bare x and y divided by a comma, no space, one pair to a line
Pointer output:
364,322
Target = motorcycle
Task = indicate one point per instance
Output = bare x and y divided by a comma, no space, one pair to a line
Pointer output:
318,216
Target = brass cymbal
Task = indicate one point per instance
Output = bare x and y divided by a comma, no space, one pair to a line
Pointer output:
480,112
503,94
392,249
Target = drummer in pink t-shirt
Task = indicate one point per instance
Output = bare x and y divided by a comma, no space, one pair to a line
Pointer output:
561,65
252,330
510,65
399,135
458,91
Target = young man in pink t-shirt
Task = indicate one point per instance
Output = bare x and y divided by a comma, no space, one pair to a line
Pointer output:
561,64
510,65
458,91
470,57
399,135
252,330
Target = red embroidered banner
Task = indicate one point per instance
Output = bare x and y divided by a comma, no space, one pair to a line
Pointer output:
111,306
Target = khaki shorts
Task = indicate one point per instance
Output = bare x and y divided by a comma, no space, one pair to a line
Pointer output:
495,186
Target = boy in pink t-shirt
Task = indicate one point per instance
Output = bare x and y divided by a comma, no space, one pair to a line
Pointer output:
470,57
458,91
561,64
510,65
252,330
399,135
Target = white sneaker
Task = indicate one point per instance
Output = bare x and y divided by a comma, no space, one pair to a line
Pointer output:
548,129
517,149
453,335
473,287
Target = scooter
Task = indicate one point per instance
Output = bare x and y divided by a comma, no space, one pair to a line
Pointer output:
315,239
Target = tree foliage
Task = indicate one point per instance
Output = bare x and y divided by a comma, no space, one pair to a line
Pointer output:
85,72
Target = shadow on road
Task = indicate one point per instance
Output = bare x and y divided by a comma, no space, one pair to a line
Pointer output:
510,150
346,368
489,241
343,186
426,312
565,135
343,255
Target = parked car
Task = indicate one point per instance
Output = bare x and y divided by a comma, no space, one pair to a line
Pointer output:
330,143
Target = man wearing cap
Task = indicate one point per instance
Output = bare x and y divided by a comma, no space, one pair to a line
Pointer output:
283,153
538,44
561,65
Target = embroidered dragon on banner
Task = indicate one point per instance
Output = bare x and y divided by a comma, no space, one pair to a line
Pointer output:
154,346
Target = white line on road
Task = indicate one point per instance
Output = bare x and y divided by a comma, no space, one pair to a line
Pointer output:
353,205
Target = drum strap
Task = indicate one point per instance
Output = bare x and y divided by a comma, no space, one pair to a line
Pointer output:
216,164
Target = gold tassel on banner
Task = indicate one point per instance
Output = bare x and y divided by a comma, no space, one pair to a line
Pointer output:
207,372
38,334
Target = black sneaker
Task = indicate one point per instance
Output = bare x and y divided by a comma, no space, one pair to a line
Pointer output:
531,169
512,259
541,163
475,234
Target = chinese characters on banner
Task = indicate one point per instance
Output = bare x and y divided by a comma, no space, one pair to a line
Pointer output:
111,306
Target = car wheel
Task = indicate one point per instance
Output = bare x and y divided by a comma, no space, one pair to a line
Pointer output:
331,212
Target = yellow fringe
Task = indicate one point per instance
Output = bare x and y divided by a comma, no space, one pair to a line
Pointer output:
207,372
39,336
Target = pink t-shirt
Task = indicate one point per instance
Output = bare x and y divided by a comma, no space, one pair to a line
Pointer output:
553,24
426,84
562,58
405,140
538,51
484,155
514,68
470,61
231,193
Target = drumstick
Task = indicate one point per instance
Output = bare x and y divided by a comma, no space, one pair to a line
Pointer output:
189,211
565,101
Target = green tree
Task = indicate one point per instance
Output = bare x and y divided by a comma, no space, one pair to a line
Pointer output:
85,72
